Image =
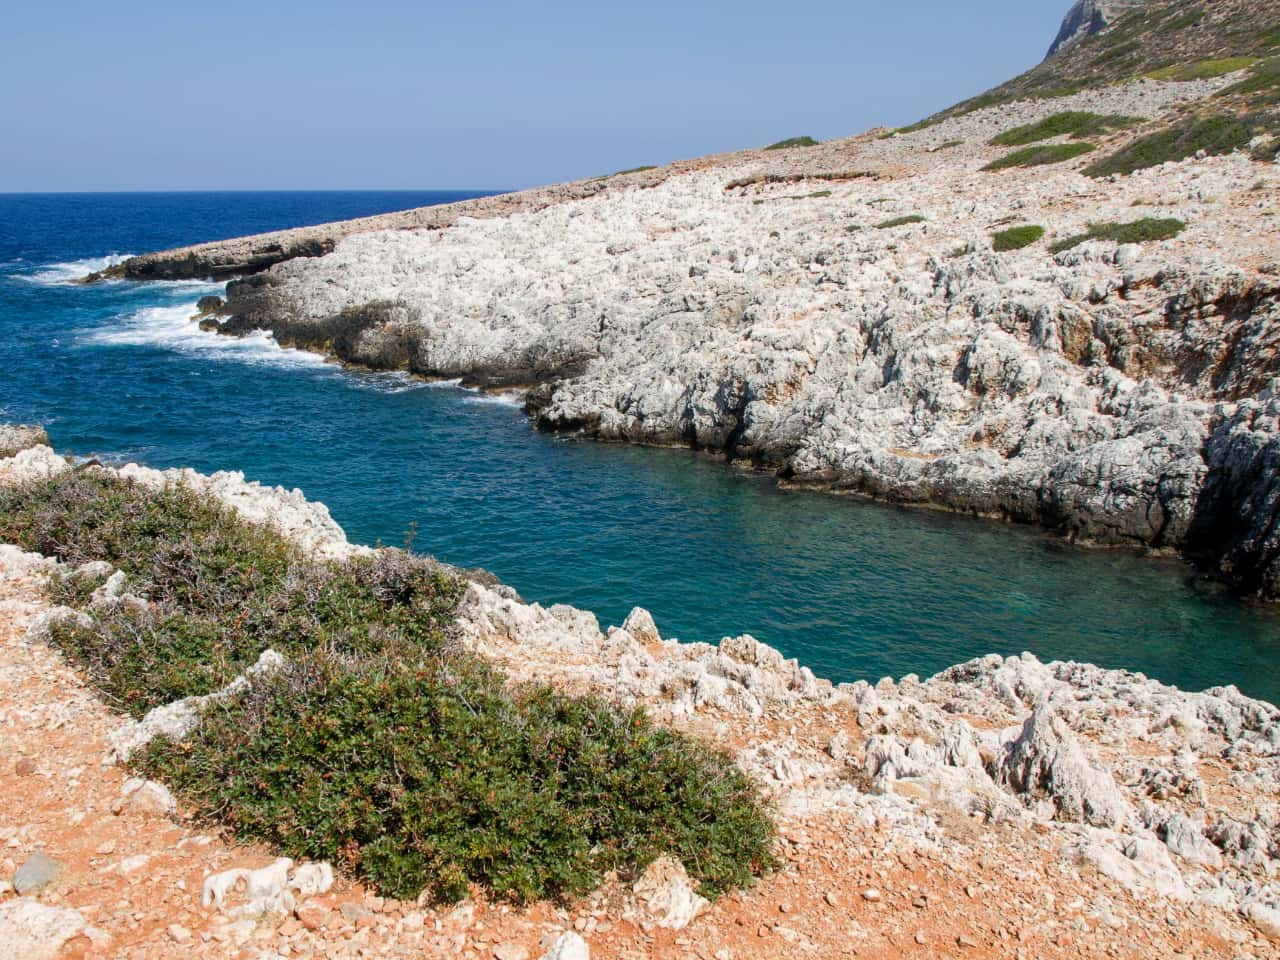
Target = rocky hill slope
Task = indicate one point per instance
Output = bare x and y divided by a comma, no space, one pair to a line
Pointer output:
1052,304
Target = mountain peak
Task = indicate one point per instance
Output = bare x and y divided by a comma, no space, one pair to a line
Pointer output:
1087,17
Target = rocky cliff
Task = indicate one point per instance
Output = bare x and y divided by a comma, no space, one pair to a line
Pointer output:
790,312
852,315
1089,17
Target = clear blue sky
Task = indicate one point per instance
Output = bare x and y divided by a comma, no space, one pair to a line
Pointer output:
277,94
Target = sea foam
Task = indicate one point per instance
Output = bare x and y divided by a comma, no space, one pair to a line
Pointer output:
171,328
72,270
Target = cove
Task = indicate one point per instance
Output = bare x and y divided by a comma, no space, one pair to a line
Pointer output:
855,590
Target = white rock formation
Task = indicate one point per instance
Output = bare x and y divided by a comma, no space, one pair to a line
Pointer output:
1118,394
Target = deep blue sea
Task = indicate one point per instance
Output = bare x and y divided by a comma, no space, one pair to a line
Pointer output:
854,589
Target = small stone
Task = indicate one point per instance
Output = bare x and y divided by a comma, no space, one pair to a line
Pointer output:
312,916
970,891
872,895
106,849
831,899
178,933
568,946
354,911
36,874
510,951
920,938
25,767
784,908
963,941
920,902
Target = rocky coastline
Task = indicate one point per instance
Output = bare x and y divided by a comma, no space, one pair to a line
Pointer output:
769,308
1003,805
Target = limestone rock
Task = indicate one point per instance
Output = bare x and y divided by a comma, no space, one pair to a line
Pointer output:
15,438
639,624
1046,761
1087,17
666,896
30,930
36,873
568,946
147,797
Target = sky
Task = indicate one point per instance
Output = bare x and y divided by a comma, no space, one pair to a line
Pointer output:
411,94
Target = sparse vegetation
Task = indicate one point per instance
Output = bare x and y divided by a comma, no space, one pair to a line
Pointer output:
381,745
1261,88
900,221
1040,155
1077,123
793,142
1213,135
1202,69
1186,20
770,179
623,173
1016,238
948,145
1138,231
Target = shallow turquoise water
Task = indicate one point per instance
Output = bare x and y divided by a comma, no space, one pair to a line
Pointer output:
854,589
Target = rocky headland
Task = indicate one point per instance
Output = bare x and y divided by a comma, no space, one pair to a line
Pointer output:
849,315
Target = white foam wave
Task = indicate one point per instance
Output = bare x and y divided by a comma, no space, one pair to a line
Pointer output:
397,381
172,328
73,270
505,399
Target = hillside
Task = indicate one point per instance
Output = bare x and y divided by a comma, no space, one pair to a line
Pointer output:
1186,39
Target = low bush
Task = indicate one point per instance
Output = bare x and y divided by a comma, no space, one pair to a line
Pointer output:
431,776
1202,69
1077,123
623,173
900,221
1261,87
793,142
1138,231
1015,238
947,145
1213,135
1040,156
380,745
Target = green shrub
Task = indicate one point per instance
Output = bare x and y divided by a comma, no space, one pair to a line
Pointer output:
380,745
1261,87
793,142
1040,156
1139,231
623,173
1202,69
900,221
1077,123
1214,135
1016,238
948,145
434,775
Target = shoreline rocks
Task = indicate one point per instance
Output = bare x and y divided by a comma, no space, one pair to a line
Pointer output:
1170,796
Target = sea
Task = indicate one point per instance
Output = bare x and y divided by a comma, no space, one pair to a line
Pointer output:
853,589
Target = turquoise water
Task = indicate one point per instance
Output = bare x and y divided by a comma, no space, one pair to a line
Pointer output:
854,589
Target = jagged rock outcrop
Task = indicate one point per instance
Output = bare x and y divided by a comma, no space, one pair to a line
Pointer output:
1087,17
1087,391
